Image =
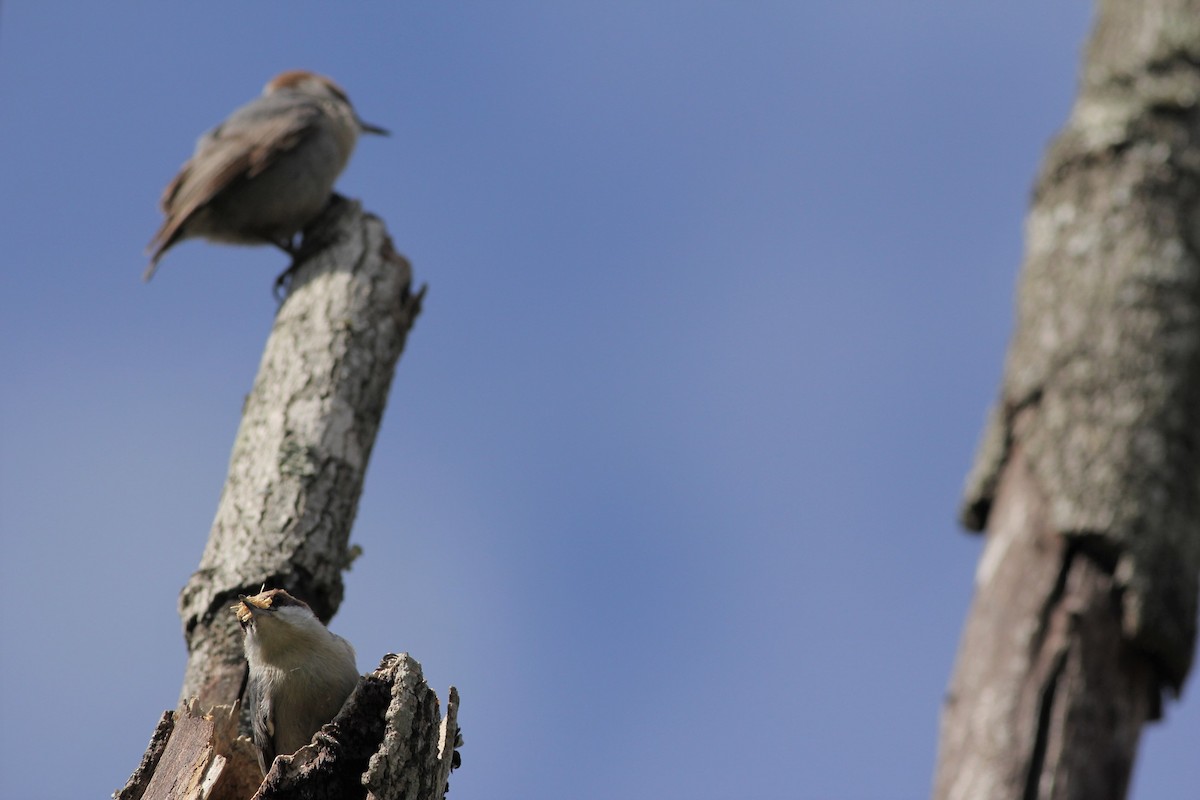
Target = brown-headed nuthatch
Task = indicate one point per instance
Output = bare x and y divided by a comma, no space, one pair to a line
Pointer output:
266,172
300,673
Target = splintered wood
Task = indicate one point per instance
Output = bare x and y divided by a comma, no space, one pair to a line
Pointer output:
389,741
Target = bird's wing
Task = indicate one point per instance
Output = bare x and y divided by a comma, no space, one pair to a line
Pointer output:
262,722
241,147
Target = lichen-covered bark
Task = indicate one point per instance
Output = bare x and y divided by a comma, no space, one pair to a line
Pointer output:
301,452
1091,459
1106,352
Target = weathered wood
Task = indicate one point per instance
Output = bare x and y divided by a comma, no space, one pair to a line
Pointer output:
389,742
195,755
135,787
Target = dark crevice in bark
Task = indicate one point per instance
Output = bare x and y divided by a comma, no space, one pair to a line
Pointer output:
1053,600
1037,758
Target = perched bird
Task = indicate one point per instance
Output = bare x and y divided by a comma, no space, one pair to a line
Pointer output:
266,172
300,673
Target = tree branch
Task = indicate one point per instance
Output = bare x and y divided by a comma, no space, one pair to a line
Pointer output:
284,519
301,451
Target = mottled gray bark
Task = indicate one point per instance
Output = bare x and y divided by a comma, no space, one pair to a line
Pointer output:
389,742
1088,477
301,452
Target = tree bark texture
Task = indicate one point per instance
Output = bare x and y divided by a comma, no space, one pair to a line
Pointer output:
390,741
1088,476
301,451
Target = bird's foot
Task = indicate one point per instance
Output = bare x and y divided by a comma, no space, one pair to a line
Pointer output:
283,281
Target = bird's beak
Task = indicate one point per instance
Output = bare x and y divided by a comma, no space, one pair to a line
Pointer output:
367,127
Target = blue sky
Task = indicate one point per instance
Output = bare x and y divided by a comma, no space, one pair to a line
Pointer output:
719,295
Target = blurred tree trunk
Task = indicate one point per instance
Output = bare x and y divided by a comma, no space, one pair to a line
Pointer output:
1087,480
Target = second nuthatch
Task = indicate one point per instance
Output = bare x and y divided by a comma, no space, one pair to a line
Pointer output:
300,672
265,173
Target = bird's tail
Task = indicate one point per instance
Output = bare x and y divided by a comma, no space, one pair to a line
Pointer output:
152,267
163,240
